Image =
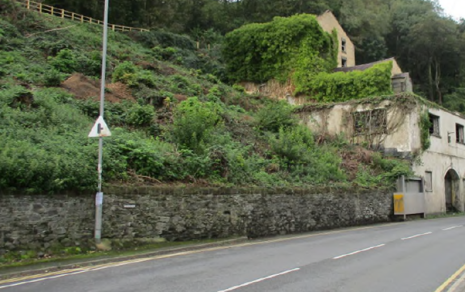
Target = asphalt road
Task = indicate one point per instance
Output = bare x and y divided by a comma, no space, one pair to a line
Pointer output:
412,256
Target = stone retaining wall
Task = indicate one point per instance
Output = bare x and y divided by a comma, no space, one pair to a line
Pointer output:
148,213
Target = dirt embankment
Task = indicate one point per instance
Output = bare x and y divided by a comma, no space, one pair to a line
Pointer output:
84,88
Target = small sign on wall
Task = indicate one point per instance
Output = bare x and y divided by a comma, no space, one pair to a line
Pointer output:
129,206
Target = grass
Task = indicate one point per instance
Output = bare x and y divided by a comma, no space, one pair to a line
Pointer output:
446,215
96,255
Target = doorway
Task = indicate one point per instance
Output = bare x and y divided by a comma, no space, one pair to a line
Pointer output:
452,189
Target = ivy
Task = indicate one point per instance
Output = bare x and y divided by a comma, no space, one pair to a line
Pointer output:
425,124
340,86
294,47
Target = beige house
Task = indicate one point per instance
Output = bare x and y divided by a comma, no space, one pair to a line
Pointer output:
346,55
393,125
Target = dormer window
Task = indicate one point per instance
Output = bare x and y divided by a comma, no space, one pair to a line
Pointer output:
343,44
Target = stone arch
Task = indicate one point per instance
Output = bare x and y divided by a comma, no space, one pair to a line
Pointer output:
451,190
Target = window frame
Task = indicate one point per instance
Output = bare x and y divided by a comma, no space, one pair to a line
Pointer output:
459,134
368,122
435,125
343,45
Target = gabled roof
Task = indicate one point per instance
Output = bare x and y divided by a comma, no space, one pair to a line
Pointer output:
362,67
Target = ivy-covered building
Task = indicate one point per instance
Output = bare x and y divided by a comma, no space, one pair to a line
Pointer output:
346,49
401,81
406,126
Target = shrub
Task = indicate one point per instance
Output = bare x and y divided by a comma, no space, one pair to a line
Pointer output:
293,144
126,73
274,116
90,65
194,122
65,61
53,78
138,115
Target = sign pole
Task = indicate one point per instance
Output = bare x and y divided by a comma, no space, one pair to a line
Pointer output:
99,195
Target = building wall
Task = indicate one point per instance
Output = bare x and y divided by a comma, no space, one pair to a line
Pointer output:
441,157
338,120
329,22
144,214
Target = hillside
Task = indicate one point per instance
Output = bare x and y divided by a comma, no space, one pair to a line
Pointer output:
172,118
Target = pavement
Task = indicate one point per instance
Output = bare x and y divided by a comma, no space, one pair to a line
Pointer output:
423,255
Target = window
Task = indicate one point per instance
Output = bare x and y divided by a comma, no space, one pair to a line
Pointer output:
434,128
344,62
428,181
459,133
370,122
343,44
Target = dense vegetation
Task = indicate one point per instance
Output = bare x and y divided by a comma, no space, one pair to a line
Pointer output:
171,117
293,47
341,86
428,45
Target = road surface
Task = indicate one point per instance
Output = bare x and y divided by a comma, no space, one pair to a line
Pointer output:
423,256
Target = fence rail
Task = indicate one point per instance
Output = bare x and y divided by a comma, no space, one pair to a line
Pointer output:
58,12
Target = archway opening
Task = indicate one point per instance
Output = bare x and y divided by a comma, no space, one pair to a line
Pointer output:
452,189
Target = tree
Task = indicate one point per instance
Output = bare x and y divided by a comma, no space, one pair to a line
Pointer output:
434,44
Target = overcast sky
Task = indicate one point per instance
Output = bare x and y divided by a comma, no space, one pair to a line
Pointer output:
455,8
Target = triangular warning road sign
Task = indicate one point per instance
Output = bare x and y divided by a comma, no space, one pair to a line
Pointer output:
100,129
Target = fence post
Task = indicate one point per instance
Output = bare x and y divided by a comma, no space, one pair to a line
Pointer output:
40,7
72,15
51,10
113,27
82,18
62,13
28,4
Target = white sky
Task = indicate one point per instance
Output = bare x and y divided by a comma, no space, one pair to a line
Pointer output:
454,8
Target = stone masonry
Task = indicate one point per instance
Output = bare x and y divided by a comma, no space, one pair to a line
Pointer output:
148,213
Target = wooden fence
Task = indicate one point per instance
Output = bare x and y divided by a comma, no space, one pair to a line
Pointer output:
58,12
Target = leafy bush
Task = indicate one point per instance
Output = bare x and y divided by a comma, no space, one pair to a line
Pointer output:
274,116
138,115
182,85
340,86
126,73
194,122
53,78
13,95
89,65
65,61
294,144
383,171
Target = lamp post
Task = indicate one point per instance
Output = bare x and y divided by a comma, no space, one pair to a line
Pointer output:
101,130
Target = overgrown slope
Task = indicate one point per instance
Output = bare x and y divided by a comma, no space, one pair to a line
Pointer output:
172,119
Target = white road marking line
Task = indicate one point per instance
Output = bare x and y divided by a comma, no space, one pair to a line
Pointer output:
46,276
43,279
445,229
358,251
416,235
260,280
